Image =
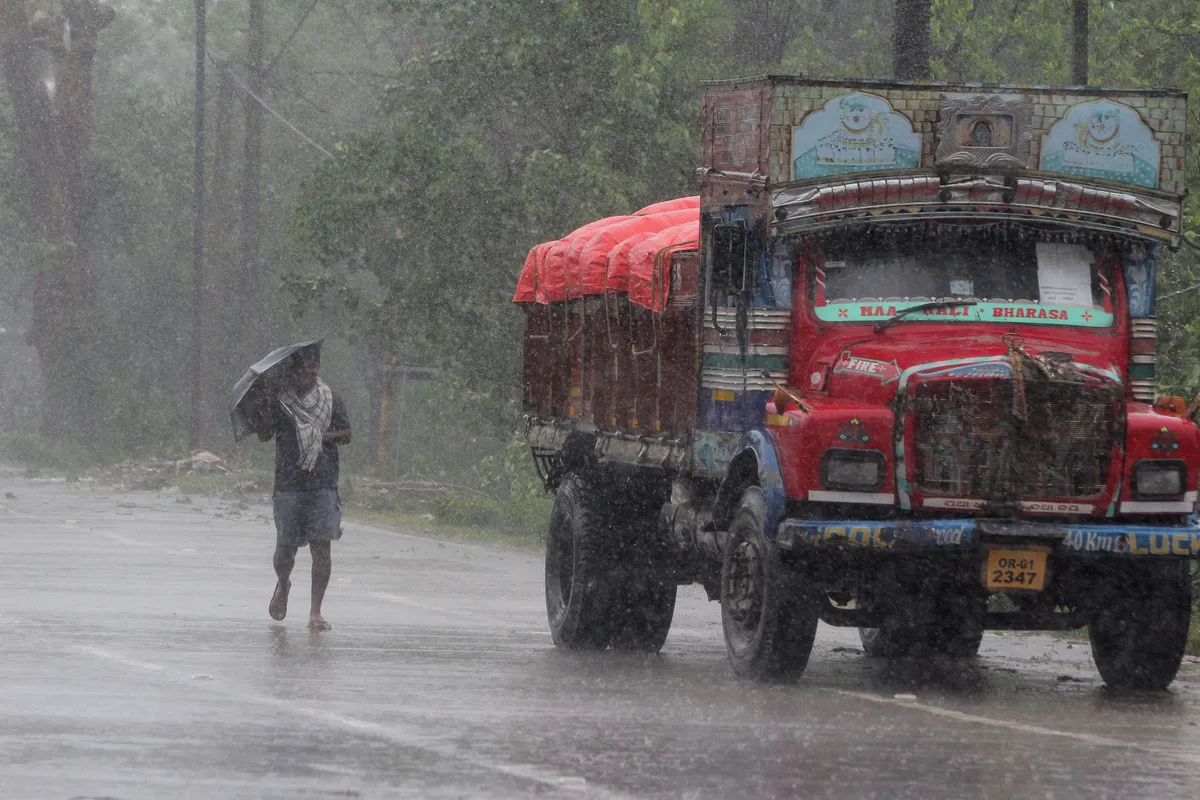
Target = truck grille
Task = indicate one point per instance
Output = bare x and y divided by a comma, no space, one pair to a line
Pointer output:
969,444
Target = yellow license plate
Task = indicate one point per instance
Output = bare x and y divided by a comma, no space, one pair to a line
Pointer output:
1015,569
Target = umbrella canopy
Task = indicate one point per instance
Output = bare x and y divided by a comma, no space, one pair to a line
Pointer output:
245,392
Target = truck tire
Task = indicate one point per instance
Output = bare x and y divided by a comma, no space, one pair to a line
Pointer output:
956,629
577,595
645,606
882,642
768,615
942,619
1139,624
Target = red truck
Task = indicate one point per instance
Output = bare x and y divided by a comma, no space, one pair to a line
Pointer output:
896,360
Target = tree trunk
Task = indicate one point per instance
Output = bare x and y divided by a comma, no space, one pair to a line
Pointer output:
911,46
47,64
1079,56
222,254
385,413
203,432
251,278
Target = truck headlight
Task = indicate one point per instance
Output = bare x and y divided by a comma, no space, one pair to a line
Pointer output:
1158,478
852,470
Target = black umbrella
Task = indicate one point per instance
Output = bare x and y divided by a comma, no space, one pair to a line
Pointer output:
247,392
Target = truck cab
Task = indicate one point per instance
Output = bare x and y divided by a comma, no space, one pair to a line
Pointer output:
922,357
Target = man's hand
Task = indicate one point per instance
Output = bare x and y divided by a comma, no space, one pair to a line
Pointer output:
263,414
336,437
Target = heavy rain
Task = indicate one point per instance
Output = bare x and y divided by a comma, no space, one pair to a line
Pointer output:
599,398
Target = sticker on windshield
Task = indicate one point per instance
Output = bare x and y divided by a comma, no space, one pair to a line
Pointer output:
1064,274
962,288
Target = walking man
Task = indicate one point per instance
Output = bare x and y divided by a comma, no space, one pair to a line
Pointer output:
309,421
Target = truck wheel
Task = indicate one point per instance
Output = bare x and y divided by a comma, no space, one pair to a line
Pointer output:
880,643
942,619
956,630
644,608
1139,626
769,617
577,601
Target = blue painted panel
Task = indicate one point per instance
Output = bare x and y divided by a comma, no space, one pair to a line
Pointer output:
1117,540
875,535
1140,262
770,476
746,410
712,451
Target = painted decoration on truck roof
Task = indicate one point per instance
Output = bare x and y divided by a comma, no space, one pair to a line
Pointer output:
991,131
1103,139
856,132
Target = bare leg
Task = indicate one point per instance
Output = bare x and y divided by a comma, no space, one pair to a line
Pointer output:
285,559
322,566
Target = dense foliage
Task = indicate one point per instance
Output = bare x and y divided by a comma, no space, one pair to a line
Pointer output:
461,132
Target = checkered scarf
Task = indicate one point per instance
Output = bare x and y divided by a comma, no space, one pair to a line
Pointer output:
311,414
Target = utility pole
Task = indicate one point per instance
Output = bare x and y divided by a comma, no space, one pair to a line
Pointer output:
251,282
1079,55
200,436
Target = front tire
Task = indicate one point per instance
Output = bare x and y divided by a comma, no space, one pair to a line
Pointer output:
767,614
1139,625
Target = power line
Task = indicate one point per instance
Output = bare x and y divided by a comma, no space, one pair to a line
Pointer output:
308,139
291,36
1181,291
1196,247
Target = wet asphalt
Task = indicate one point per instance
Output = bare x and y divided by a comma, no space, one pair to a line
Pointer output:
137,660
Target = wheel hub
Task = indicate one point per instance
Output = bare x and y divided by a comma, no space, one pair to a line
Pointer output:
744,590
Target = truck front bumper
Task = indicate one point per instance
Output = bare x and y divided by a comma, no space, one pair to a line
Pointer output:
964,534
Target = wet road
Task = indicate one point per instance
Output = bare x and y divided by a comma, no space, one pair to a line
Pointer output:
137,661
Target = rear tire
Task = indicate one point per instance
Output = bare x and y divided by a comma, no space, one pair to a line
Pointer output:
601,588
1139,624
644,609
940,617
879,643
577,597
768,616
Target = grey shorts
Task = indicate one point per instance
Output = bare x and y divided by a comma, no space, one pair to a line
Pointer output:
304,517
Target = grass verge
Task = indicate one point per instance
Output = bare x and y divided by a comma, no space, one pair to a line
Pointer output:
517,522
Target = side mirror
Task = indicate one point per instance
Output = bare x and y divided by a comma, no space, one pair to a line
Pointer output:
729,256
685,278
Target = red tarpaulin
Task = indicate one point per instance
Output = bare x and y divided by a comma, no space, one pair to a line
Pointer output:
670,205
618,259
527,280
592,265
650,264
552,272
594,258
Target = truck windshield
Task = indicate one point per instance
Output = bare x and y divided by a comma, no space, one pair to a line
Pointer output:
1019,279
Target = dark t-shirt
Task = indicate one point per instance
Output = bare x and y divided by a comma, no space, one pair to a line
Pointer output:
289,477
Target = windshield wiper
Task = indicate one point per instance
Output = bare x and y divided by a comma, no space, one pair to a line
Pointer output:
969,301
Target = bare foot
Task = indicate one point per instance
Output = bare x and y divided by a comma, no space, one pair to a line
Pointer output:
278,607
317,623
